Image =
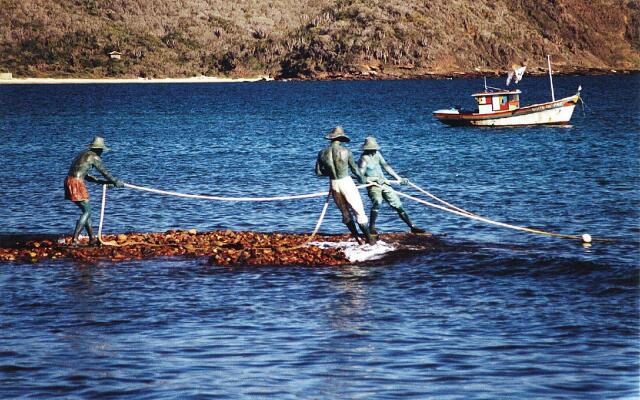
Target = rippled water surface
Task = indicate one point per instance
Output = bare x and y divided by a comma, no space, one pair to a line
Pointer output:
499,314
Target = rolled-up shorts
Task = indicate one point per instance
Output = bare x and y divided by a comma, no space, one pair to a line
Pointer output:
346,196
376,194
75,189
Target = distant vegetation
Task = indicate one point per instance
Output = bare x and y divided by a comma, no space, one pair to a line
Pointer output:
314,38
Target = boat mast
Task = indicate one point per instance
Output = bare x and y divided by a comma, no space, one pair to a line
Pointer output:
485,83
553,97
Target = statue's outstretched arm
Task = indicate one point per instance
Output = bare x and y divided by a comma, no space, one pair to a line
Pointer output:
93,179
103,170
390,170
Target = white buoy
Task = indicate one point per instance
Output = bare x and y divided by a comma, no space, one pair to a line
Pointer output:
586,238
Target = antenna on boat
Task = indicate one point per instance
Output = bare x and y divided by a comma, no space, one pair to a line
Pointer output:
485,84
553,97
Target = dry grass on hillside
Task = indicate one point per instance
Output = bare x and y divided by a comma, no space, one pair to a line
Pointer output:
313,38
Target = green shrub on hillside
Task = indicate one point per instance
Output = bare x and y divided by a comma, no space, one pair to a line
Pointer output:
247,37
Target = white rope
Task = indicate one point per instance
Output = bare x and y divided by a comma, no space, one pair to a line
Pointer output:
486,220
322,214
449,207
419,189
104,202
459,211
317,228
102,208
220,198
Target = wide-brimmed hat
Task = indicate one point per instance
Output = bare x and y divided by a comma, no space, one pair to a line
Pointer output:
370,144
337,133
98,143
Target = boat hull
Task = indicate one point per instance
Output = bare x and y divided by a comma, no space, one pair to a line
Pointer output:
557,112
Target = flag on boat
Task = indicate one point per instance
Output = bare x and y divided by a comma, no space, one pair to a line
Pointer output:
517,73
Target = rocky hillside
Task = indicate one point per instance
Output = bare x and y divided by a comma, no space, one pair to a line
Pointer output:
314,39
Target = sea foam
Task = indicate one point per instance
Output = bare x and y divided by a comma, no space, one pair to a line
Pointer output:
359,253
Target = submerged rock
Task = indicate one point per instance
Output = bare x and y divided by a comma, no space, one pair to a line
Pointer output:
218,247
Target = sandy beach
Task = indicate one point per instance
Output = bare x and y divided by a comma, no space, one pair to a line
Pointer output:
195,79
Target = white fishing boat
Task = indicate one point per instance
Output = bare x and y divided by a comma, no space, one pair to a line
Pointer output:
500,107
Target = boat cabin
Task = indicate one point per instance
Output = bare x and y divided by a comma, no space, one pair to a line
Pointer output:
490,102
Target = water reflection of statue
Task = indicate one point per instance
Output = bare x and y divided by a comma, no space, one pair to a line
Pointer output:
75,189
335,161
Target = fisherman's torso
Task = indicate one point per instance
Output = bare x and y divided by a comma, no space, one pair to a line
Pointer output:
83,163
373,166
335,161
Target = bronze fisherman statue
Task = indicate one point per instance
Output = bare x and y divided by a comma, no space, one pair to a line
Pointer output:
75,189
371,166
335,161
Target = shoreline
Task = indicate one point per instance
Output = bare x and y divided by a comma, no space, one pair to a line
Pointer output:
317,78
196,79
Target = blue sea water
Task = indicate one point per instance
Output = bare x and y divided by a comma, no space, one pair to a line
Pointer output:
500,314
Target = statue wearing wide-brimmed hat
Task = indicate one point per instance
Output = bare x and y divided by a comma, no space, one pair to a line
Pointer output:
335,161
76,190
98,143
372,164
337,133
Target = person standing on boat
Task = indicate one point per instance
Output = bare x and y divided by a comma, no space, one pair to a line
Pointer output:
335,161
372,164
75,189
